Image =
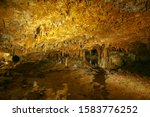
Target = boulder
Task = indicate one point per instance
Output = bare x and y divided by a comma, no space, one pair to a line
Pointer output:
116,61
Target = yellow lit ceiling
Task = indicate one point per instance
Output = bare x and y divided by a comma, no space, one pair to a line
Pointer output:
42,25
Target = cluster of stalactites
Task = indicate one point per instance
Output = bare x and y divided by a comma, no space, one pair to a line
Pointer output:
99,56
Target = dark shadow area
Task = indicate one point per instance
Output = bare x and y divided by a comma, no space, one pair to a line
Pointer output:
100,78
4,1
94,60
141,64
141,68
87,56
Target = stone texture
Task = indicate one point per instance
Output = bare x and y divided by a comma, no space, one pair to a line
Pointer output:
69,27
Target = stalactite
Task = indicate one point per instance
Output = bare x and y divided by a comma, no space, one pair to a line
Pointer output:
108,57
77,53
99,56
66,61
74,53
62,57
63,53
83,55
13,50
45,49
4,25
59,57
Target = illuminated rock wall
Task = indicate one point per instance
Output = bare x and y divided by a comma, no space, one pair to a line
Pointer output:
71,26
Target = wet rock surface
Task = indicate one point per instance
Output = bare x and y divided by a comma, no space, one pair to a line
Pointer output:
56,82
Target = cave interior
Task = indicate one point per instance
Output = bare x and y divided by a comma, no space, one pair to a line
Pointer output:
74,49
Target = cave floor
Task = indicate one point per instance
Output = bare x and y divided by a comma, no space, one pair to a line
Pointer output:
34,81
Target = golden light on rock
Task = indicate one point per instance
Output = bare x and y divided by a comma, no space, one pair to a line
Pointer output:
80,40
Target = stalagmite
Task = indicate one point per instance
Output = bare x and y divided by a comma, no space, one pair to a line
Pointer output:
66,61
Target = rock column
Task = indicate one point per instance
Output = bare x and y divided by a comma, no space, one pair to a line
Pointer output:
66,61
83,55
90,57
104,57
99,56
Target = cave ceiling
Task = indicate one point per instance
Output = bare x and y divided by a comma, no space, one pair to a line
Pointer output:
42,25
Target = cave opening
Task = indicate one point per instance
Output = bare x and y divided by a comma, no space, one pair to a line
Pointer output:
94,57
